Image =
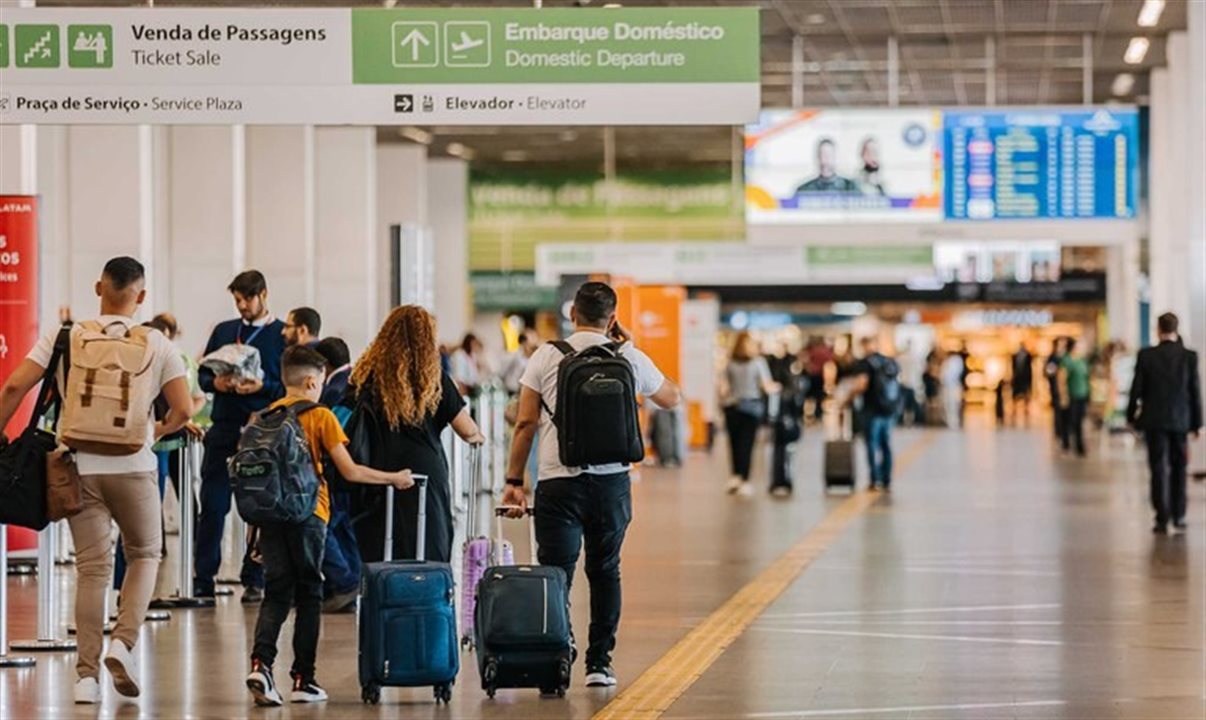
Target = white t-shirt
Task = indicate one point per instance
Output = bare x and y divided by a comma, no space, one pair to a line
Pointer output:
166,365
541,376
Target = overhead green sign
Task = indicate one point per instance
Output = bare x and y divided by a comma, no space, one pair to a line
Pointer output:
872,255
510,292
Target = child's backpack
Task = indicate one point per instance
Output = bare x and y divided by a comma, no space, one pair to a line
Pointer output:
596,416
273,473
109,390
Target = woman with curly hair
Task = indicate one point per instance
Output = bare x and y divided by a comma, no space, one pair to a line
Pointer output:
410,401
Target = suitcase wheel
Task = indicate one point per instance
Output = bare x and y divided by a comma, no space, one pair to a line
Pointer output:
370,694
490,691
443,693
467,643
559,691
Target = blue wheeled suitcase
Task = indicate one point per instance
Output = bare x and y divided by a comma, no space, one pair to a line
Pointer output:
407,618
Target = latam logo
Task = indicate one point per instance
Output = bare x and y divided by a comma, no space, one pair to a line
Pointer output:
16,208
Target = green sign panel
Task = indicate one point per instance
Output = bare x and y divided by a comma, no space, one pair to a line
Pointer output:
556,45
90,46
37,46
510,292
3,46
871,255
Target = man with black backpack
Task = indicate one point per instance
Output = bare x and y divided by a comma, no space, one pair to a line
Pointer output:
581,394
882,395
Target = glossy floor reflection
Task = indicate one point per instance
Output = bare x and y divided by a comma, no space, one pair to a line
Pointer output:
998,581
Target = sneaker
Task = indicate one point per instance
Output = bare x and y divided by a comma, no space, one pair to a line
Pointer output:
87,691
1180,525
120,664
600,676
746,490
252,595
262,686
1160,529
781,491
306,690
734,485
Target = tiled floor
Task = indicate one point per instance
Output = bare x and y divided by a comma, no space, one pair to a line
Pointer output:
998,581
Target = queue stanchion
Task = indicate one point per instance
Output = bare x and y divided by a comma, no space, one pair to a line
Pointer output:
48,601
189,466
6,660
498,441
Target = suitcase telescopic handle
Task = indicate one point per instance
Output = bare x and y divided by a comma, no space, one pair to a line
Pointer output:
500,512
421,540
475,484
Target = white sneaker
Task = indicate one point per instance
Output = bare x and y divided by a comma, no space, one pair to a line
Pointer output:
746,490
121,665
734,485
87,691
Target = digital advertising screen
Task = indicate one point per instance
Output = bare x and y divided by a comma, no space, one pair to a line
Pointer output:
1041,163
844,165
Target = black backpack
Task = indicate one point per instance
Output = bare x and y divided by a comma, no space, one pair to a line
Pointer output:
596,418
885,391
273,473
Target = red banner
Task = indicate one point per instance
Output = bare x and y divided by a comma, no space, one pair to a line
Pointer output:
18,290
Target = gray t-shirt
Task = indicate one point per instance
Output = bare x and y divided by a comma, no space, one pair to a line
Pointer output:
746,380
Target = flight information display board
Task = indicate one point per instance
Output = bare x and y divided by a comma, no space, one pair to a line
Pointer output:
1040,163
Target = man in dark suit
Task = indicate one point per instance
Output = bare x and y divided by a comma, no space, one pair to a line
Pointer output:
1166,404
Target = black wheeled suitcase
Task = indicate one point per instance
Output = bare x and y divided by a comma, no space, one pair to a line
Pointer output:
839,457
523,626
407,618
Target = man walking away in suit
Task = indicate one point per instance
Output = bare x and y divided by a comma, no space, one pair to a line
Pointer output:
1166,405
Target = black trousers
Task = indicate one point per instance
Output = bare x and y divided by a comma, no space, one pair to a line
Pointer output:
1167,456
595,509
1073,429
743,431
292,579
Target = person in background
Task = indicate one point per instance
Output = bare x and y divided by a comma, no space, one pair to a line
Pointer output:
951,378
234,402
1022,383
412,402
932,384
1051,372
302,326
113,488
818,355
339,369
879,385
966,356
912,367
1165,404
466,365
747,380
513,369
999,401
1074,395
787,372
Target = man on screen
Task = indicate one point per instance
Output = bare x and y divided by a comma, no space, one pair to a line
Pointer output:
827,179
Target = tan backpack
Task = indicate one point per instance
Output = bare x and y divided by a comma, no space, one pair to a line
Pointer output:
107,401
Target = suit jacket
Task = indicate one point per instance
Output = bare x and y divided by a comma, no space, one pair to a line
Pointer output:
1166,394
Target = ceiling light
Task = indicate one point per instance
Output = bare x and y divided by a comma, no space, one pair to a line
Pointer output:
612,6
815,19
458,150
514,155
414,134
1136,50
389,3
1123,84
848,309
1149,14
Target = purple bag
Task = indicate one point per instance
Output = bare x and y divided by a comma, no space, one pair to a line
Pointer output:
479,553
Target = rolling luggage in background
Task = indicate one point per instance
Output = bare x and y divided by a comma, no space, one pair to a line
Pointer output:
407,617
479,552
665,437
839,457
523,626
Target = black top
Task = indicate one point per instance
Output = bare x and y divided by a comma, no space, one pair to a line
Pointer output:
1166,394
1023,371
416,447
873,366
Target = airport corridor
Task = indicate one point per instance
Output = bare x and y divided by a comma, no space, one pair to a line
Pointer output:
998,580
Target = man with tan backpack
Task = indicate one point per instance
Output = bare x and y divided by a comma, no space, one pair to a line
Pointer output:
112,369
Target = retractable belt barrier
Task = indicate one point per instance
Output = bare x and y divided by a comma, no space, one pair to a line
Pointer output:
6,660
189,478
48,639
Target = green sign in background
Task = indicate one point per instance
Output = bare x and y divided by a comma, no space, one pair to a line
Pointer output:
872,255
471,45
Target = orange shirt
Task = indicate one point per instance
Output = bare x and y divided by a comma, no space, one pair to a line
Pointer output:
324,434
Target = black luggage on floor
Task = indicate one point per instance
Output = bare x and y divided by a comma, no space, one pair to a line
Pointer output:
522,626
839,464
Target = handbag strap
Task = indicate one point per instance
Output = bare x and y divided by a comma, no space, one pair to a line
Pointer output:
49,395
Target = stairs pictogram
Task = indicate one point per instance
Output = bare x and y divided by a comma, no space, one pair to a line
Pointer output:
39,47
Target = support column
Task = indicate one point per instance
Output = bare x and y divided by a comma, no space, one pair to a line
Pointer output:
277,211
1122,292
448,214
401,200
1195,74
345,220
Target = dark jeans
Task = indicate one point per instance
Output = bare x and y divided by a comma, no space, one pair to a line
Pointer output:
1074,425
293,579
341,559
597,508
743,431
816,391
912,409
879,448
220,443
1167,456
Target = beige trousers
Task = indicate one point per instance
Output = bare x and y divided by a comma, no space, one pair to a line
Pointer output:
132,500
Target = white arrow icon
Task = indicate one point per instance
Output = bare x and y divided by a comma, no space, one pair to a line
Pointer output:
415,38
467,43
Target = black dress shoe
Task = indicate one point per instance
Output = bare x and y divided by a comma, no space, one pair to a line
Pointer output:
1160,529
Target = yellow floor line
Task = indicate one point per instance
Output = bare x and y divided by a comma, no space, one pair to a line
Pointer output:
676,671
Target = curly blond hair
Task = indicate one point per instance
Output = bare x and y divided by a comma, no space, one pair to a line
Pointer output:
402,367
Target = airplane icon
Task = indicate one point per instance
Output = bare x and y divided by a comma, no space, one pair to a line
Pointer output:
467,43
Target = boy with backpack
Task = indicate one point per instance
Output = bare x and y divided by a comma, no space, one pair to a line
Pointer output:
583,402
109,371
882,394
279,487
